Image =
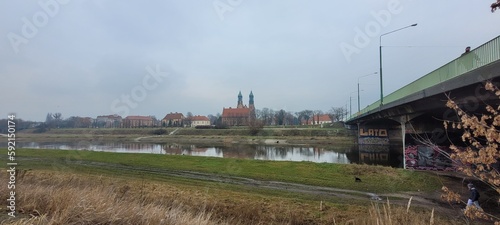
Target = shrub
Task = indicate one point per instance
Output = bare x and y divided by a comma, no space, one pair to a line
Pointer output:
159,132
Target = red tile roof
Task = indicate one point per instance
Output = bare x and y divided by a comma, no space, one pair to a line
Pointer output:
110,116
234,112
323,117
138,118
174,116
199,118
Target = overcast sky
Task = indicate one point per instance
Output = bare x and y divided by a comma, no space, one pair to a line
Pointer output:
95,57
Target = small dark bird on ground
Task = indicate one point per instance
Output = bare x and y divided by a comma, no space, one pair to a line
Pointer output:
357,179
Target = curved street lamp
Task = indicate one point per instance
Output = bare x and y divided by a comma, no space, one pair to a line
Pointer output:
380,57
358,88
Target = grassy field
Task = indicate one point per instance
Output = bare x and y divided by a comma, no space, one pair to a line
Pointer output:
376,178
89,194
58,197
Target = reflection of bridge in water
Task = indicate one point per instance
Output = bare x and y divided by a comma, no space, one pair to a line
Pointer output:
385,155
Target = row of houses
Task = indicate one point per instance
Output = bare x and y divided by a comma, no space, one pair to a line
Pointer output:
171,119
241,115
317,120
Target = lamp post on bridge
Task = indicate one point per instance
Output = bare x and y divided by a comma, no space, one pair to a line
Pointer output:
380,57
350,103
358,88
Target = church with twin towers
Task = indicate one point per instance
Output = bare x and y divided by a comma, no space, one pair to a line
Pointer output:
242,114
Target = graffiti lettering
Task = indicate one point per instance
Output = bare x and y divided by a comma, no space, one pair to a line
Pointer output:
373,132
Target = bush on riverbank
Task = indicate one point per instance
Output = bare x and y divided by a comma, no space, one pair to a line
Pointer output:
159,131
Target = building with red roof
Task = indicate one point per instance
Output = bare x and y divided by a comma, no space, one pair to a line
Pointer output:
173,119
199,121
318,119
138,121
109,121
241,115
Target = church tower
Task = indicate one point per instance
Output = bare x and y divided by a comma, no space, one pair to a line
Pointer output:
250,102
240,101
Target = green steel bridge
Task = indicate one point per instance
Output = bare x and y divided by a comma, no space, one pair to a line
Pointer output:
418,109
473,68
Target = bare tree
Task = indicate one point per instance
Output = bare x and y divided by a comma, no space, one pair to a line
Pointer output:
57,116
188,119
495,5
266,115
289,118
255,126
280,117
53,120
481,157
212,119
156,122
306,115
48,120
317,113
337,114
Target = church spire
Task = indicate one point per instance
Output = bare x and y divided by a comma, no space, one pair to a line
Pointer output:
250,102
240,100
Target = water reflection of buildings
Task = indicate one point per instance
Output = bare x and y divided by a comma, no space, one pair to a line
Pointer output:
177,149
369,154
127,147
136,147
310,154
275,153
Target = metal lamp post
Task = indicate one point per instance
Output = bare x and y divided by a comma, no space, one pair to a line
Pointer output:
350,102
380,57
359,108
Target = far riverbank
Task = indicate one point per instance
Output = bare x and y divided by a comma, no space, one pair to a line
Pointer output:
268,136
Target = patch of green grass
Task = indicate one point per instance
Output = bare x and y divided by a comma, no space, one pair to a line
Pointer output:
375,178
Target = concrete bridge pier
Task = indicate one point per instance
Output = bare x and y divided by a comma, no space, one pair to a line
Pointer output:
389,131
403,120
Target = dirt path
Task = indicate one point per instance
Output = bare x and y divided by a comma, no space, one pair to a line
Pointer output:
139,138
418,199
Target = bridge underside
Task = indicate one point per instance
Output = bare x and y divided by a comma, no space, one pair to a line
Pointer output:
467,90
418,118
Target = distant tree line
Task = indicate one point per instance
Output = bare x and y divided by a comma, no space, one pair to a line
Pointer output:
270,117
264,117
55,120
19,125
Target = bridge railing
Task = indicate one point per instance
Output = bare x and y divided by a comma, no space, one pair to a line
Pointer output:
483,55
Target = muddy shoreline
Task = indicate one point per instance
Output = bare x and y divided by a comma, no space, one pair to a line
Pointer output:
190,139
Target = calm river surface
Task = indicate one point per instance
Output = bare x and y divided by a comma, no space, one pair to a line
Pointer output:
345,154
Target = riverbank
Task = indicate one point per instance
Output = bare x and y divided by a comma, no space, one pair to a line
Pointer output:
268,136
224,190
231,191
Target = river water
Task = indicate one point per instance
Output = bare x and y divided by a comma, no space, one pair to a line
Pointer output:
344,154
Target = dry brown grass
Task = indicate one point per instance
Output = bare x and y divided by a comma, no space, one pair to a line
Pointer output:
70,199
390,215
60,198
